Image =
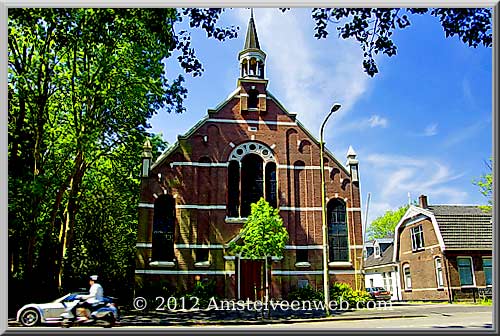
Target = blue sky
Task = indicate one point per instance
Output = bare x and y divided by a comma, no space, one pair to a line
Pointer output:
423,125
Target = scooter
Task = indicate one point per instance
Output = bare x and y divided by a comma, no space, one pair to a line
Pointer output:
105,311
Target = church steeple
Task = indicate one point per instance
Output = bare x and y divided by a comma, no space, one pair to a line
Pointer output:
252,58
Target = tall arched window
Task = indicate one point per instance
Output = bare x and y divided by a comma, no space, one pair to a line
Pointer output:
251,175
252,182
233,192
163,229
271,195
337,230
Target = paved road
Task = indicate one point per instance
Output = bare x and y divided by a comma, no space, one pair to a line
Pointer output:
400,316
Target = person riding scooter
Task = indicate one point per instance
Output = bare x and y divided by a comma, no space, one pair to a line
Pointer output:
93,300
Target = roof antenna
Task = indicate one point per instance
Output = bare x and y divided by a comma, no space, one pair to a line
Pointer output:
251,13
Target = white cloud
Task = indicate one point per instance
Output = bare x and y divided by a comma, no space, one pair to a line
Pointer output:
430,130
397,175
377,121
464,133
309,75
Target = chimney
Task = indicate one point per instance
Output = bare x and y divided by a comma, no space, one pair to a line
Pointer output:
422,201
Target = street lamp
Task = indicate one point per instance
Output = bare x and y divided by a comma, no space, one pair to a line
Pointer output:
335,107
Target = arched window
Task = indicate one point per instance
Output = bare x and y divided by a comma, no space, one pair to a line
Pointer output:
271,195
407,276
251,175
233,192
337,231
439,272
252,182
253,98
163,229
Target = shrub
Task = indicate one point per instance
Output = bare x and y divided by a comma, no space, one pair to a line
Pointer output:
204,291
306,293
342,291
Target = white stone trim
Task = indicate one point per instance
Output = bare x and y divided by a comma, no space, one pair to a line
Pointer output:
184,272
262,95
423,248
199,164
303,264
282,166
146,205
162,264
200,207
303,247
315,272
340,264
198,246
285,208
144,245
353,209
254,122
353,247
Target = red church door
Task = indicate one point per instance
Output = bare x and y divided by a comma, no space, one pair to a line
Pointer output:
251,279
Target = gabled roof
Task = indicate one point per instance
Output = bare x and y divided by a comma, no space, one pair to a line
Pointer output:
386,257
464,226
457,227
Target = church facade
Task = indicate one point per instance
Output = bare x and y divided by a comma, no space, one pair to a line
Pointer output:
196,196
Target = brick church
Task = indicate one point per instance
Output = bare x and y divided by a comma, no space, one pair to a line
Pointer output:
196,196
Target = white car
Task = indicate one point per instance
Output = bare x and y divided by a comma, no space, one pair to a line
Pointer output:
36,313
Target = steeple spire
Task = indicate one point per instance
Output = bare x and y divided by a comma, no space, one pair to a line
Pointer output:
251,41
252,58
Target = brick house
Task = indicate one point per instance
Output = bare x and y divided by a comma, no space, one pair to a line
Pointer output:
196,196
444,252
379,267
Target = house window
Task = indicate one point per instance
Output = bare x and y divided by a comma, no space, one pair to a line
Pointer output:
487,270
302,283
417,238
253,99
439,272
465,271
407,276
371,283
302,256
201,255
377,251
163,229
337,231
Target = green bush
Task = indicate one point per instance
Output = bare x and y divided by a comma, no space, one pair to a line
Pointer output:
306,293
341,291
204,291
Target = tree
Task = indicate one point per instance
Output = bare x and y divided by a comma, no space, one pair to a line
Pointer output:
373,28
82,84
263,235
385,225
485,187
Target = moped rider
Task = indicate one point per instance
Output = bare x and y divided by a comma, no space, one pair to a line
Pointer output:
93,299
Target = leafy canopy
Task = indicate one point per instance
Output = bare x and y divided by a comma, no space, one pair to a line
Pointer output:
485,183
385,225
263,233
373,28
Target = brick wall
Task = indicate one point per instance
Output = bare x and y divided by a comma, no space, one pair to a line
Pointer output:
194,185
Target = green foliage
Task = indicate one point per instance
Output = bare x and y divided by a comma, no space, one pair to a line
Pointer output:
385,225
373,28
485,184
204,291
307,293
263,233
341,291
82,85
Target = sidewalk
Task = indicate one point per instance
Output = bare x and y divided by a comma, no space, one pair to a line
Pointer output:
247,317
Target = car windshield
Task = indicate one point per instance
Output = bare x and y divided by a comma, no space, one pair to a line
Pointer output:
379,289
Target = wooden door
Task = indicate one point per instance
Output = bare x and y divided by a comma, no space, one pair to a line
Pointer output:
251,279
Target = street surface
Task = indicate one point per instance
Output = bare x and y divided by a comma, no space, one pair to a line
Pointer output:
399,316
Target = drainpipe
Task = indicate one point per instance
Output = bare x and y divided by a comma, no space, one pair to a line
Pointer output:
450,293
